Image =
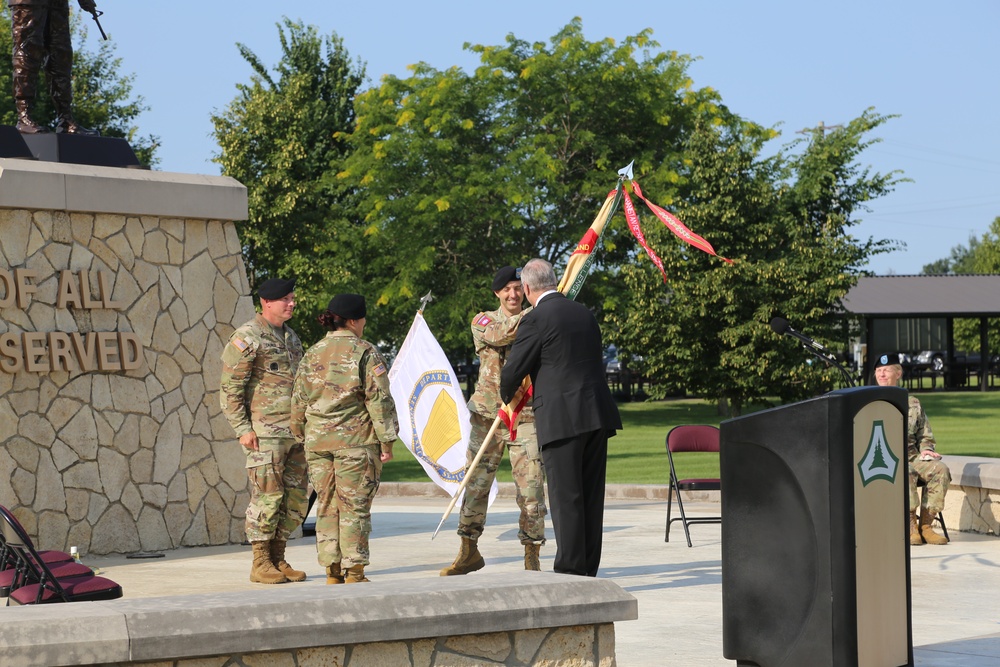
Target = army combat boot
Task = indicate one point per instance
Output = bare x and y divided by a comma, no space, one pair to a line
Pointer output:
263,570
469,559
25,124
278,560
927,529
531,557
334,575
355,574
915,538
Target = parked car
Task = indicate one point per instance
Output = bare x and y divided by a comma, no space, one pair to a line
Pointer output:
937,360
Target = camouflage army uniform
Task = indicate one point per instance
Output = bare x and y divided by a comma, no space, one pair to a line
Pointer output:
258,368
935,473
493,334
342,407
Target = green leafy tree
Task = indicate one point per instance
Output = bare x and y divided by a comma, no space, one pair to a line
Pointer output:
784,221
959,261
279,136
981,257
102,96
463,173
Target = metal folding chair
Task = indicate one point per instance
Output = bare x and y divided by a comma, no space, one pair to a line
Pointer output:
690,438
39,583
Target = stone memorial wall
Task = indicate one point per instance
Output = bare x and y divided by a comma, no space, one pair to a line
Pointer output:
118,290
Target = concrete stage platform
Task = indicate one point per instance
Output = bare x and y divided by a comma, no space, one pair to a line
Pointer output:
956,617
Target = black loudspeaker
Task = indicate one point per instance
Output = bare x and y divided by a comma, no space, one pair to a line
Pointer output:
815,533
78,149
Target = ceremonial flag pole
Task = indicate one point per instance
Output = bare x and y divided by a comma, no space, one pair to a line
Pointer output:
577,270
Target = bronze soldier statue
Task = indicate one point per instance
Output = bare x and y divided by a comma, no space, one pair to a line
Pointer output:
42,38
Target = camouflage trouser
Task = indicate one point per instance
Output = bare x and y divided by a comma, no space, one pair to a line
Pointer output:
529,479
937,476
345,481
278,500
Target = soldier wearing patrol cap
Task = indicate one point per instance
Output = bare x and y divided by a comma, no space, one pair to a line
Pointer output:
493,334
924,462
258,369
342,408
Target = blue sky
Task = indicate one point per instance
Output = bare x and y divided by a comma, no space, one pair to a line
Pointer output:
783,63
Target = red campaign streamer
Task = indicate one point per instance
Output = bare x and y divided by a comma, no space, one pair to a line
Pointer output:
678,227
633,224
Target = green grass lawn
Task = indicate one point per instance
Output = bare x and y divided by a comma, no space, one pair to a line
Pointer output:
964,422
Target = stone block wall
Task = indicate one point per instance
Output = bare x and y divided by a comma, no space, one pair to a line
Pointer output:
115,447
575,646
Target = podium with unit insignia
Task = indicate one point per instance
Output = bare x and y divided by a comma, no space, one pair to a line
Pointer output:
815,548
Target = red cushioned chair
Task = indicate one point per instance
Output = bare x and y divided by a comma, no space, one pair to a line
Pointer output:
690,438
10,573
46,586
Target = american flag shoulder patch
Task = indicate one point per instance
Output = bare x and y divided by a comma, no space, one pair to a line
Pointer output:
482,320
379,370
240,344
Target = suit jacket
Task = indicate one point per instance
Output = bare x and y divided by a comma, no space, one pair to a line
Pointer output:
559,345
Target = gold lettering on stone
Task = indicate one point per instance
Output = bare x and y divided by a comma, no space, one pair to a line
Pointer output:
36,357
107,351
11,360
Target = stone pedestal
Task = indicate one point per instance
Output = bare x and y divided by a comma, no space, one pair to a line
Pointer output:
118,291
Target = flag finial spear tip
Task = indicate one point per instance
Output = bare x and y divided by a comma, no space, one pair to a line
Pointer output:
425,300
626,172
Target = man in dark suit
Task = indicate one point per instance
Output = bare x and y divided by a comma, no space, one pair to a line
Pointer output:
559,345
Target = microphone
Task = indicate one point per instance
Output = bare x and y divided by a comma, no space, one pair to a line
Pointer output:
781,326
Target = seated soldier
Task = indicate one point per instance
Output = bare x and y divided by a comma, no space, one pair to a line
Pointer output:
924,463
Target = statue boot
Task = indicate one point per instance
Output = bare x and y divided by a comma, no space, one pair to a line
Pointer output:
278,559
25,124
531,561
469,559
66,124
927,528
62,97
334,575
915,538
355,575
263,570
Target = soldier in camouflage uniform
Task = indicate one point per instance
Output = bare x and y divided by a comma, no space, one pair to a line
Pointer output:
924,462
258,369
342,408
493,334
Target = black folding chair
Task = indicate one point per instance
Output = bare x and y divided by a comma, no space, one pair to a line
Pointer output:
690,438
46,587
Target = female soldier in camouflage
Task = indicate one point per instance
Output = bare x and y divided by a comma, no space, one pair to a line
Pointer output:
924,463
342,408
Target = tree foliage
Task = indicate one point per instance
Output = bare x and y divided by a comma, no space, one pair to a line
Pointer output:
785,222
279,136
102,96
463,173
981,256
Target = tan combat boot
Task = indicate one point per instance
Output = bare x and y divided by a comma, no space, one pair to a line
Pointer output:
355,574
334,575
263,570
915,538
469,559
927,529
278,559
531,557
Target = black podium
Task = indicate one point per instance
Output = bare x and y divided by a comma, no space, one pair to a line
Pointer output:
815,548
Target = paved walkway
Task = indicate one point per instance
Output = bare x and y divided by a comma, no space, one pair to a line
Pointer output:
956,613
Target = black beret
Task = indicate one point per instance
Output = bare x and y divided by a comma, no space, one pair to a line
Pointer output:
504,276
275,288
348,306
887,360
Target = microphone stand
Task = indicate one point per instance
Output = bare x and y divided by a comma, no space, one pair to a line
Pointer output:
830,359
